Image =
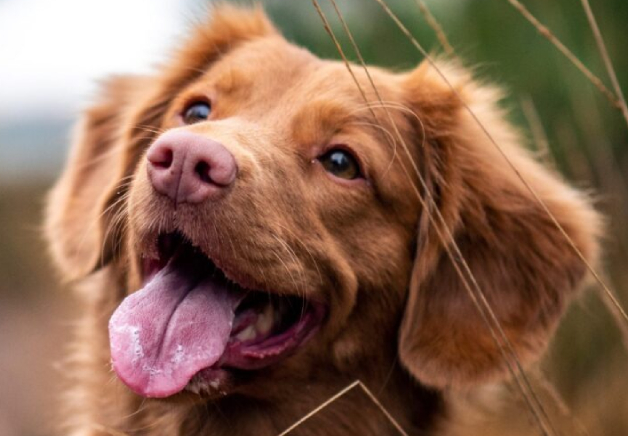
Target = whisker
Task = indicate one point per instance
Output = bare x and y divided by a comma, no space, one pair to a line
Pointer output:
390,139
291,254
96,221
108,430
305,247
150,129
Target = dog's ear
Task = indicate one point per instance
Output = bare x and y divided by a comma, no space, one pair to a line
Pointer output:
521,261
76,213
117,129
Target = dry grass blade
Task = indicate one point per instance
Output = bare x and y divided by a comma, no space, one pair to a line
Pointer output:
606,58
382,408
547,33
538,132
617,317
607,291
563,408
484,308
338,395
438,29
323,405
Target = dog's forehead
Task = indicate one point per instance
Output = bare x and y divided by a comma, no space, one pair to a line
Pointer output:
272,68
304,101
263,65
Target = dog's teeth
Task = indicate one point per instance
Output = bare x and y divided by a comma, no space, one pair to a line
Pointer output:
247,334
264,321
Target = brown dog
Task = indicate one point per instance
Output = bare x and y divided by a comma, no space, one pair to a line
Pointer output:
248,237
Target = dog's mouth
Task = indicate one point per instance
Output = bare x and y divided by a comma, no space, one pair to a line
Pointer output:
189,323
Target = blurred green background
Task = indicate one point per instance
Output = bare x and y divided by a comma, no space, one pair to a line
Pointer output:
567,120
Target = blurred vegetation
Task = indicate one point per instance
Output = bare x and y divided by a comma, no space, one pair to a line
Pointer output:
587,140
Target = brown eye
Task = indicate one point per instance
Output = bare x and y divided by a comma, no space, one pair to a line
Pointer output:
196,112
341,164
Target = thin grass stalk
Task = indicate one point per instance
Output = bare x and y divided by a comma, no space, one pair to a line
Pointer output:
610,178
617,317
606,58
558,399
455,257
319,408
337,396
539,134
436,27
390,418
610,294
603,164
547,33
520,377
525,387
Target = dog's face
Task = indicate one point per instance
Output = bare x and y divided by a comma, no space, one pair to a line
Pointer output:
268,223
278,183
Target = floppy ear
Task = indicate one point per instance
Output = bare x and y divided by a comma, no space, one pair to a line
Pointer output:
75,217
523,264
115,131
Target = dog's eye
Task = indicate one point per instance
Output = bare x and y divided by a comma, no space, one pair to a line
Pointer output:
197,111
341,164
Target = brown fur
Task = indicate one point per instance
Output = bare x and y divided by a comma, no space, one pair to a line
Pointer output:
400,319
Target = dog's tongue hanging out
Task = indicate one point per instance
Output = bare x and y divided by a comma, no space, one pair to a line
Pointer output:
176,325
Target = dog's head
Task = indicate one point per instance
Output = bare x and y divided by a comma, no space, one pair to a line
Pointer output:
270,224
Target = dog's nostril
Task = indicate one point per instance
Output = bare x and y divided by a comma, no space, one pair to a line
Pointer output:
202,170
162,159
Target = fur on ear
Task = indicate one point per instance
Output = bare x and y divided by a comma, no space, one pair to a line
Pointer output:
76,217
524,266
115,131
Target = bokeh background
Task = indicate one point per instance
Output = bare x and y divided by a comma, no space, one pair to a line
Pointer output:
52,53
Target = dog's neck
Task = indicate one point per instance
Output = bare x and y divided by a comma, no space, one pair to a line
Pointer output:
312,407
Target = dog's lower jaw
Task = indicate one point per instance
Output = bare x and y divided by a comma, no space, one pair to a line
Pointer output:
275,405
354,413
107,407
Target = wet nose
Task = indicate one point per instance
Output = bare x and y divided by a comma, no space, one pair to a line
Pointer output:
190,168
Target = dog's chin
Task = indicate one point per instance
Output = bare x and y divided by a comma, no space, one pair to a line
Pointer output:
193,329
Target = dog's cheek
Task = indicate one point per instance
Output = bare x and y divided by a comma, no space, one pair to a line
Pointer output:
376,250
378,303
347,353
140,218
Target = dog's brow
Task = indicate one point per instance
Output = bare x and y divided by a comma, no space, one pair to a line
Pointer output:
318,121
232,80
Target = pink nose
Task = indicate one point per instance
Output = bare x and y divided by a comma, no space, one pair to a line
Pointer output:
190,168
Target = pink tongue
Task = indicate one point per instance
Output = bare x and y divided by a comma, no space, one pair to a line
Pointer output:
176,325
